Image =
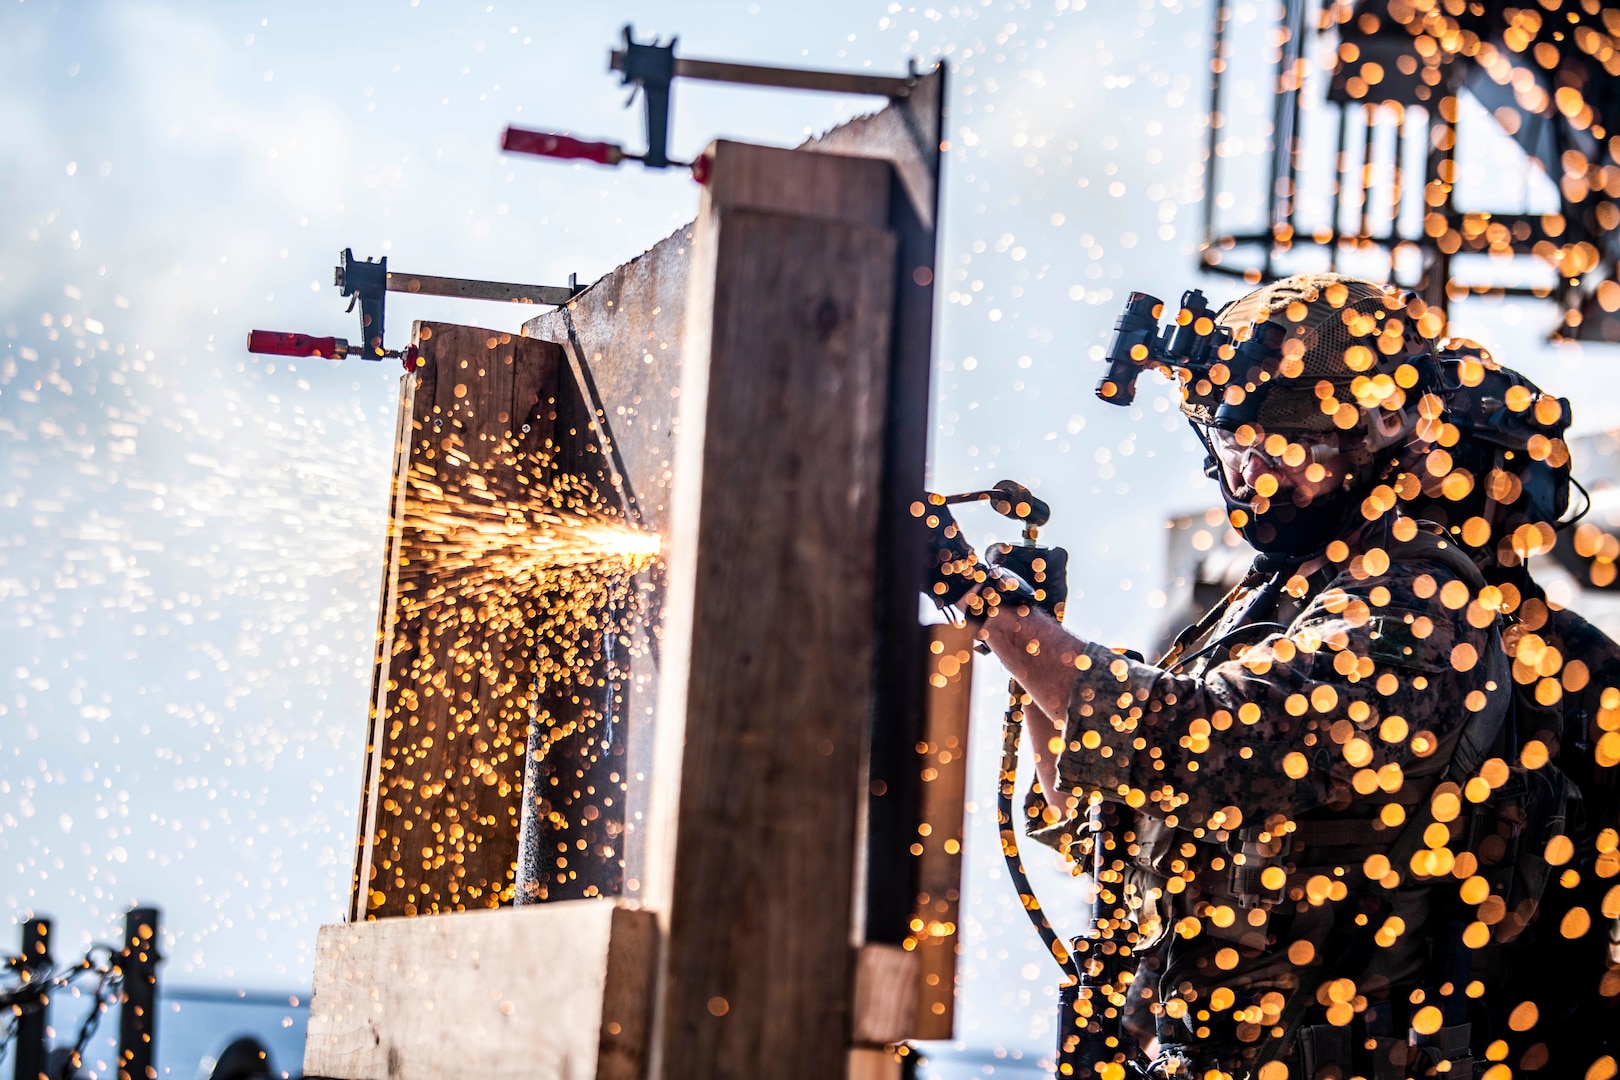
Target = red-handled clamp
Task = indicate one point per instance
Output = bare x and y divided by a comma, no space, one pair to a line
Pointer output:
283,343
649,68
280,343
546,144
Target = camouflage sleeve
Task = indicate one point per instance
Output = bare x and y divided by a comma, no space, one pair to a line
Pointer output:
1371,684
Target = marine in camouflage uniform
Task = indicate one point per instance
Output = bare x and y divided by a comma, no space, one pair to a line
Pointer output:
1288,808
1305,758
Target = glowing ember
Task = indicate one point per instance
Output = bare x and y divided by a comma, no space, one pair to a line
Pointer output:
518,614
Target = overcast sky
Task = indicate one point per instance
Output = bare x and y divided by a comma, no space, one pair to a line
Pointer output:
190,536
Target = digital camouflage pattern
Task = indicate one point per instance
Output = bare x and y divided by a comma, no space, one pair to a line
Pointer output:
1268,787
1567,680
1338,839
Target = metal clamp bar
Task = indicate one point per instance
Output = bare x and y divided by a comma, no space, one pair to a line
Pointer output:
836,82
472,289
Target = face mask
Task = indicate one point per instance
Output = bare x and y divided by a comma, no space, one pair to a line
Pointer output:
1288,488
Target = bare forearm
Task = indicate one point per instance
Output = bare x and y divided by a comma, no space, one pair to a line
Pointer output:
1046,740
1038,652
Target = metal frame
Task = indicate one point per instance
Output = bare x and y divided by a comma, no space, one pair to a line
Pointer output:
1255,255
649,68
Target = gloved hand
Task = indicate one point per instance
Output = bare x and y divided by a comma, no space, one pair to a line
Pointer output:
1044,569
953,568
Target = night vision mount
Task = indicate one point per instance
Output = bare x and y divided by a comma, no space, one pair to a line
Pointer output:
1192,342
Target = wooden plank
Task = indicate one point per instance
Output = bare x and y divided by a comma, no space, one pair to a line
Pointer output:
453,710
370,777
748,177
868,1063
768,640
909,136
558,992
622,337
886,982
941,761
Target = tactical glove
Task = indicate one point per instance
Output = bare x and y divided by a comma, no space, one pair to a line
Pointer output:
953,568
1044,569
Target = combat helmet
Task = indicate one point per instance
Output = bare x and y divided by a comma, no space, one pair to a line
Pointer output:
1328,375
1498,478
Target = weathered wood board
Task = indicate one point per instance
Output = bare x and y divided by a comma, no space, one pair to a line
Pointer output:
909,136
456,687
555,992
768,634
941,763
621,338
885,998
623,335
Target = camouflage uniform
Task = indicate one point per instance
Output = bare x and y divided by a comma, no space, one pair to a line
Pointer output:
1568,699
1326,849
1264,788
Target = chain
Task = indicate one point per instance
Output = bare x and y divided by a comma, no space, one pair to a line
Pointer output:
10,1033
29,996
108,988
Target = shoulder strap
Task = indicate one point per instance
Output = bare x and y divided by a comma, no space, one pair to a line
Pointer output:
1432,548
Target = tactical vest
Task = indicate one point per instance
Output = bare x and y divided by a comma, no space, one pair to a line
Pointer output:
1311,911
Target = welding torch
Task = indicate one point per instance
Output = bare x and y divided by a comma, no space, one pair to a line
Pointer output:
1015,501
1088,1036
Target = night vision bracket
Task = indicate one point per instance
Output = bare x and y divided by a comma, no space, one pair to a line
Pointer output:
1192,341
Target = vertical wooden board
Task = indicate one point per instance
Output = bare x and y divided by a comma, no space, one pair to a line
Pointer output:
908,135
782,538
866,1063
941,763
445,764
380,669
559,992
622,337
885,998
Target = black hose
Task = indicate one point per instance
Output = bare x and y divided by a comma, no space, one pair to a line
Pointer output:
1011,732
